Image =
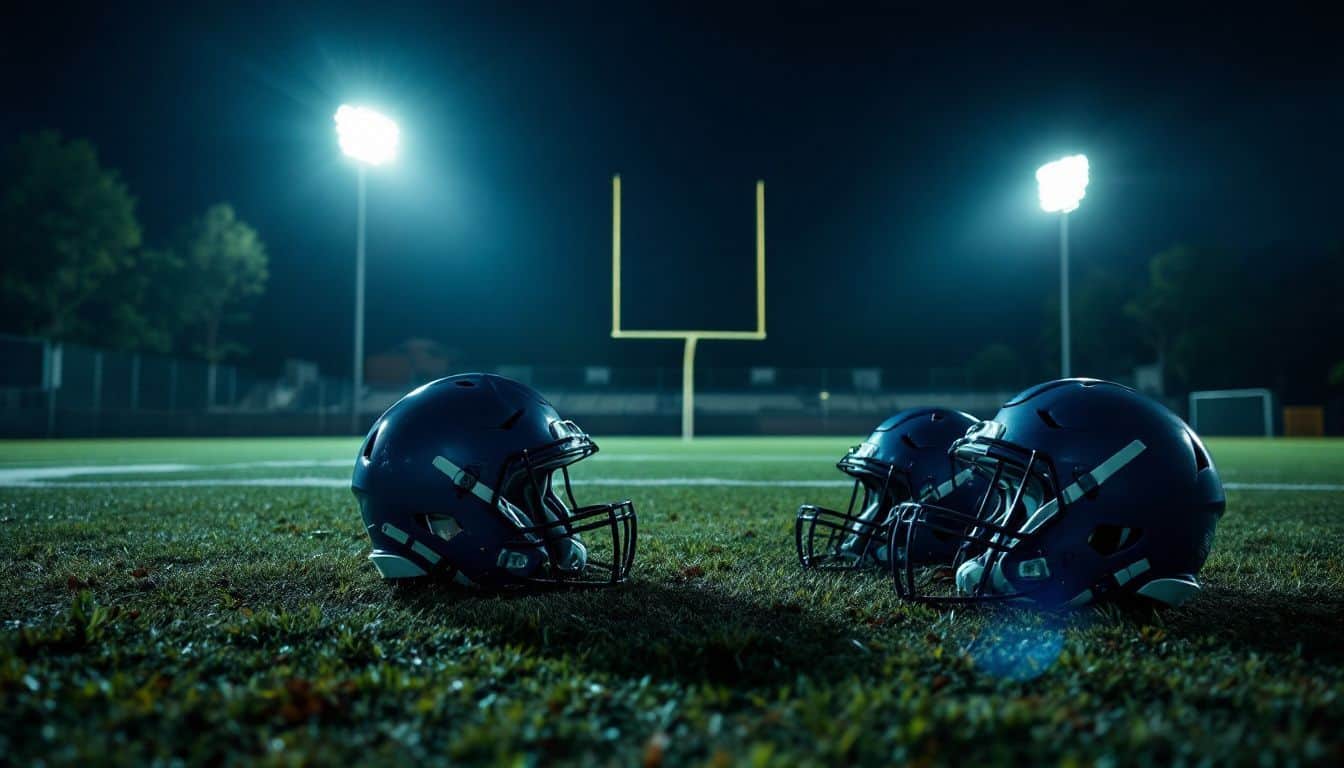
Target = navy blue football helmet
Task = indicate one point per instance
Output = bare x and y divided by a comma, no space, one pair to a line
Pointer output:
457,481
1094,491
905,459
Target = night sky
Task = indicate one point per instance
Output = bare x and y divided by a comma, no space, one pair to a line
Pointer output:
898,149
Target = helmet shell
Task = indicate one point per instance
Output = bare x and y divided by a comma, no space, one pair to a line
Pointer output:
915,443
911,450
1154,518
479,423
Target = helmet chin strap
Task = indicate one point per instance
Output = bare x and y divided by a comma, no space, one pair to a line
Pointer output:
572,556
568,554
971,575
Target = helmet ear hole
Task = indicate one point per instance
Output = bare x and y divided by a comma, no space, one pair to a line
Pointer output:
367,452
1109,539
1202,461
443,527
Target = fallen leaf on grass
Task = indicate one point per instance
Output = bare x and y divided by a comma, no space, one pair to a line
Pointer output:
654,750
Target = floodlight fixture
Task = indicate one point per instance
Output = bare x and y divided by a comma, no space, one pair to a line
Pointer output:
366,135
1062,183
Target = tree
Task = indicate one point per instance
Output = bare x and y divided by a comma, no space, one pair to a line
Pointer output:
224,266
139,308
1104,341
66,225
1163,310
1220,318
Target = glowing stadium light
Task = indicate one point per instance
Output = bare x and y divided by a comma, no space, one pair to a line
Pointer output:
1062,183
366,135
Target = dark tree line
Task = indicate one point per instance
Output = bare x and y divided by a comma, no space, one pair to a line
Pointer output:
77,268
1214,318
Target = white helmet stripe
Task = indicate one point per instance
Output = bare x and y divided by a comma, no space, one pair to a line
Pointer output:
1103,472
948,486
480,490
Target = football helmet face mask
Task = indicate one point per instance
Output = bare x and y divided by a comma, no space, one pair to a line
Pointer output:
457,480
1093,491
905,458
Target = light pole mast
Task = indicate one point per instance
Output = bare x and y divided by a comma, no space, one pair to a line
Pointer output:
358,364
371,139
1062,185
1065,364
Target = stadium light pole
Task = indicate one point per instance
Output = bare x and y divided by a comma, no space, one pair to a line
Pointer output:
1062,185
371,139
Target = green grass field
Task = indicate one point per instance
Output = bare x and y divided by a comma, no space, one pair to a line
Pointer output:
208,601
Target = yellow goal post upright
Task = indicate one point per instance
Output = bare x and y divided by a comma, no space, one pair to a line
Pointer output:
690,337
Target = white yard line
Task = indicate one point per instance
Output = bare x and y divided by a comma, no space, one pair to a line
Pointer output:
200,482
634,482
1284,486
68,476
727,482
344,482
31,470
736,458
28,475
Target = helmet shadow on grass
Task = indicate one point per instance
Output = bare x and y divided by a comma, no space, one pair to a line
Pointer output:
689,632
1263,621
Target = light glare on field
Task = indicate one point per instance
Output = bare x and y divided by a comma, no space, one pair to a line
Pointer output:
366,135
1062,183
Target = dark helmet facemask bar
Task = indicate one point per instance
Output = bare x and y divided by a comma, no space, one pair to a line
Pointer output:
991,562
872,531
618,517
572,445
1014,468
986,540
839,526
964,551
991,540
984,533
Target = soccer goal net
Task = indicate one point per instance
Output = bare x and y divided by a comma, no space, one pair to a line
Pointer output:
1232,412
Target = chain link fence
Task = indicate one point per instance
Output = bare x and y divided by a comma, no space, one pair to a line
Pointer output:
54,389
57,389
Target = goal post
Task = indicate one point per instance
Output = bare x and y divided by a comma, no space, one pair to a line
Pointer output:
690,337
1244,411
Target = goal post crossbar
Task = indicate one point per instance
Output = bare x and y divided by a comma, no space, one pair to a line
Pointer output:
619,332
